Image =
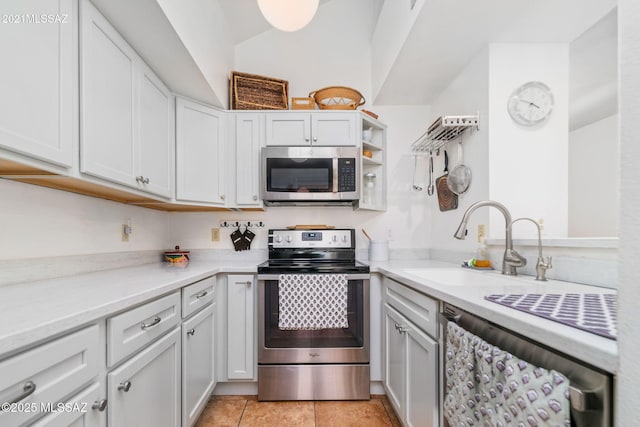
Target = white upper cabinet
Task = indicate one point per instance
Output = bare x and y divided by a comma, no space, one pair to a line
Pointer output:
321,128
126,119
247,145
200,162
38,80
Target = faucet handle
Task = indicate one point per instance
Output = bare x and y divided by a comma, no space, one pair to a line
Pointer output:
548,263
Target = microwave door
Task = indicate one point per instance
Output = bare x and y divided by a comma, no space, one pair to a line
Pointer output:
300,175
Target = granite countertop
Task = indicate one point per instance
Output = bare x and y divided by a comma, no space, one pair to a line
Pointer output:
466,289
35,311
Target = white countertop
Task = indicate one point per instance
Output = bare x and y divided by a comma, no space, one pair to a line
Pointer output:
466,289
32,312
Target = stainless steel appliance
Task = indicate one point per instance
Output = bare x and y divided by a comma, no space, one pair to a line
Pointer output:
327,363
310,175
590,390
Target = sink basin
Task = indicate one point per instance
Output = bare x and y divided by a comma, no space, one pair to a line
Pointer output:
456,276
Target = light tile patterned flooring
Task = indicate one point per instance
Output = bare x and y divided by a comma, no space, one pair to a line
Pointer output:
246,411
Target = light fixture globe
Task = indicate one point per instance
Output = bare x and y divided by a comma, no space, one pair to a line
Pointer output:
288,15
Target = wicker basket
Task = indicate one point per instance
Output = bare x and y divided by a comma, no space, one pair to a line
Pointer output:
254,92
337,98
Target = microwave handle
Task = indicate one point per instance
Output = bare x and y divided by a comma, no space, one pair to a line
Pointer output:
335,174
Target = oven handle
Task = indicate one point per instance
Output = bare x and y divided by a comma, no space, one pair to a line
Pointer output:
580,400
349,276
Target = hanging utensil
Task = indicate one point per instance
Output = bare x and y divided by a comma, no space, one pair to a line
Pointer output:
431,187
447,199
413,180
459,178
366,234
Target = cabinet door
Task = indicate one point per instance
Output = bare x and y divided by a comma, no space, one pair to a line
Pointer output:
197,364
199,153
422,378
107,131
240,327
288,129
248,142
79,411
394,364
38,81
332,129
145,391
156,142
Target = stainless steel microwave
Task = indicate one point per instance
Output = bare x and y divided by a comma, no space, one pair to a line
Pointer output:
310,175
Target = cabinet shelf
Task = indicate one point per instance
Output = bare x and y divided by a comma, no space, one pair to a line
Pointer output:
372,162
371,146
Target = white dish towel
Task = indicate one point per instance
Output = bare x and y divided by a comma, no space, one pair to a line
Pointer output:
486,386
312,301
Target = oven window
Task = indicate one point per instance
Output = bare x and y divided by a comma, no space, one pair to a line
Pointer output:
351,336
300,175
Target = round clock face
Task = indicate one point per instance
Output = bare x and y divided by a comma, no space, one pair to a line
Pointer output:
531,103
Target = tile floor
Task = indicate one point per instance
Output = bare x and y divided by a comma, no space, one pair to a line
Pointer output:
245,411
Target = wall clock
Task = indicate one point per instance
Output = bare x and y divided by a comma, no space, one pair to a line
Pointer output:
531,103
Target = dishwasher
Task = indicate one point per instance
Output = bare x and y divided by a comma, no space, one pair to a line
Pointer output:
590,390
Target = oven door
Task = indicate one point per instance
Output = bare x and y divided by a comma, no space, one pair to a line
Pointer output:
322,346
310,174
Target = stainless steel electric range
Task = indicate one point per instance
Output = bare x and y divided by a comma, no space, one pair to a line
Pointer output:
313,317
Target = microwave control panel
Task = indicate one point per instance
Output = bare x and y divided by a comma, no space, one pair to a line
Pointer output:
346,175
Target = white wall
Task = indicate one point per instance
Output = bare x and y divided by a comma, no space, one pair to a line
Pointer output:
41,222
206,35
406,219
333,50
467,94
594,179
628,392
528,166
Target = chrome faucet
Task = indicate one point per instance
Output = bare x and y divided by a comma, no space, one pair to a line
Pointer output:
541,265
511,258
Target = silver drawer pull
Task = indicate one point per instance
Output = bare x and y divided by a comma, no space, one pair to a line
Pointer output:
191,332
28,389
247,283
101,404
156,320
124,386
202,294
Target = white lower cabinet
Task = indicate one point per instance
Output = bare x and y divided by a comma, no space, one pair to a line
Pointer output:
198,375
85,409
145,390
241,339
410,370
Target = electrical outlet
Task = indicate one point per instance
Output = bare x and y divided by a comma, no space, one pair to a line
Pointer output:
126,231
481,232
215,234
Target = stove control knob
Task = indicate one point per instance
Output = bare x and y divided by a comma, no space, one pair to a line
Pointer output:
334,238
289,239
278,239
344,238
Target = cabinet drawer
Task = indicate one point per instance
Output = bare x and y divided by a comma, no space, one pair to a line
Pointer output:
132,330
47,374
417,307
78,411
197,295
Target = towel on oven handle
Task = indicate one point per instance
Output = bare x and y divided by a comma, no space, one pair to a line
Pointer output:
485,385
312,301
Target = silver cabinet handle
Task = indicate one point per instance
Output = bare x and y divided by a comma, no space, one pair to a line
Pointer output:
156,320
124,386
142,179
191,332
315,138
306,138
202,294
222,197
27,389
247,283
101,404
255,197
401,328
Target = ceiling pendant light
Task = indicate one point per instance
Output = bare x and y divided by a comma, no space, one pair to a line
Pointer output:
288,15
